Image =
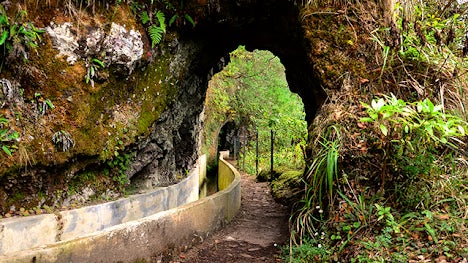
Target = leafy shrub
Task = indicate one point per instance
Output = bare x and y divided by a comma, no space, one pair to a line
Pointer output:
412,134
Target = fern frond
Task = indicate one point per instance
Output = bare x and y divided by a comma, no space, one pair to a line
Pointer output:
173,19
156,34
144,17
162,20
190,19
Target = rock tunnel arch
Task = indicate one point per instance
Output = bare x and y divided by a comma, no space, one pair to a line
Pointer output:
264,25
168,141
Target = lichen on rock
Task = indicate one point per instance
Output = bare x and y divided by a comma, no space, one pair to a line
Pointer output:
119,48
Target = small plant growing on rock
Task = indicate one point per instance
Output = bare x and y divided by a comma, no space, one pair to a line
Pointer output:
63,140
92,70
155,30
16,36
42,105
7,137
10,93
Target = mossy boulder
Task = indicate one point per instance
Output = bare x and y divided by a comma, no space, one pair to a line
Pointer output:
286,189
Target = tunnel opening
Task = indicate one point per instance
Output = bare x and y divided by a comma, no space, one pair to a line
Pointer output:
247,102
257,25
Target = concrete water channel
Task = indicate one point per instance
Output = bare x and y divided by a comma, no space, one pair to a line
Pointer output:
139,227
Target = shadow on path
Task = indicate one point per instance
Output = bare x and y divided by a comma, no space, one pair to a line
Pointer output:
254,235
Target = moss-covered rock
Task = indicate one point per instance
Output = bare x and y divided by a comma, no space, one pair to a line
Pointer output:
286,189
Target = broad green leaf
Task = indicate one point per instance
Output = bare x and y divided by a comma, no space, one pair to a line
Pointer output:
49,103
374,115
4,37
387,115
190,19
91,71
365,105
14,135
6,150
366,119
429,130
383,129
377,105
3,20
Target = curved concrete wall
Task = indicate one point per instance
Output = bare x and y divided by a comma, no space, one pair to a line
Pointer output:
22,233
137,239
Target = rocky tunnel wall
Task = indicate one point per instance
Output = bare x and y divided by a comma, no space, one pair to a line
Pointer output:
152,113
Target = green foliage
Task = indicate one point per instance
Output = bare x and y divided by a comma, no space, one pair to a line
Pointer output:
257,99
323,170
311,250
155,17
320,178
92,68
17,36
428,28
118,167
367,230
156,32
412,132
7,137
419,148
42,105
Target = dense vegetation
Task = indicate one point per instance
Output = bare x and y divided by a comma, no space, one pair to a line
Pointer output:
387,160
387,173
252,92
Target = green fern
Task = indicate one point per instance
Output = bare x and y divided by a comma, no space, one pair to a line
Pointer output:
162,20
156,34
144,17
190,19
173,19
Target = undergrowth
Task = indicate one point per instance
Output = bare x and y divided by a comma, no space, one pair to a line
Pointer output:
388,173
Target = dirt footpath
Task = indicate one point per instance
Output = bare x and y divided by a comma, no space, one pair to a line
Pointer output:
254,235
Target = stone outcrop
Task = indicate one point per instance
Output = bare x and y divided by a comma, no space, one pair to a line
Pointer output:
123,48
144,110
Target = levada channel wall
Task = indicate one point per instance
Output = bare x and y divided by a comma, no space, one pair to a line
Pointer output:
133,229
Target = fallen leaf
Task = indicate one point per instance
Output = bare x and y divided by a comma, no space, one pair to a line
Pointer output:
442,216
364,81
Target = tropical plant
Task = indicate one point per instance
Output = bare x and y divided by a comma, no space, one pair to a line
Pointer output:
413,129
319,180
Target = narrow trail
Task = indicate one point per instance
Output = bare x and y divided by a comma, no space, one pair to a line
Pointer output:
254,235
